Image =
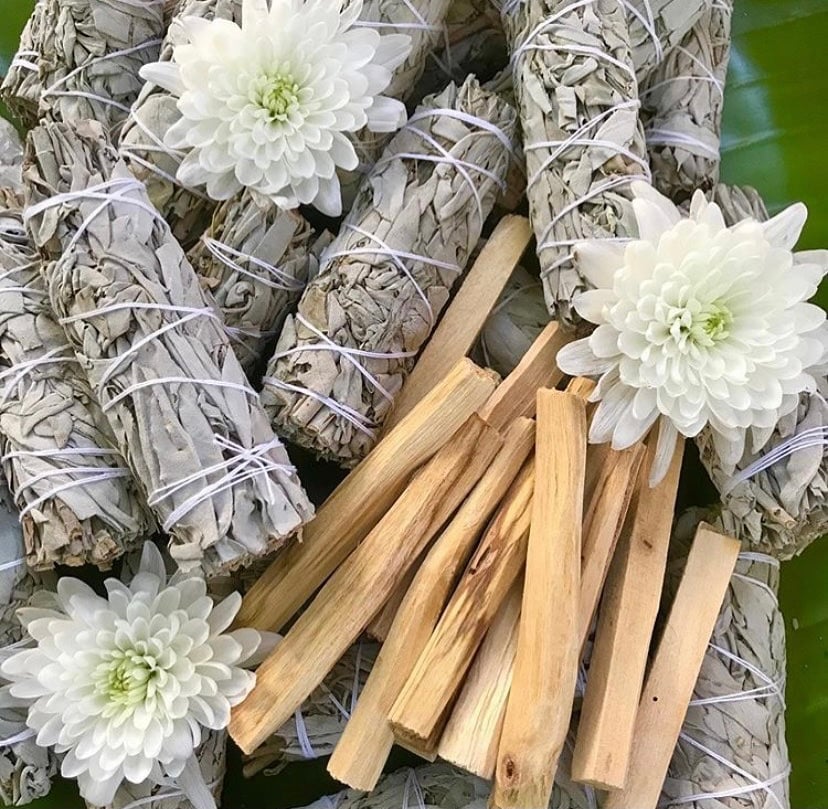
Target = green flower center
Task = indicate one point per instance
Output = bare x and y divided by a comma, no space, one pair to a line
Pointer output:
277,93
125,679
702,326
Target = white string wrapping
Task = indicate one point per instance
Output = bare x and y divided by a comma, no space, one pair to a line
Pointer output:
231,257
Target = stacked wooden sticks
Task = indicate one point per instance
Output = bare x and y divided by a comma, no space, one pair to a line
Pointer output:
483,531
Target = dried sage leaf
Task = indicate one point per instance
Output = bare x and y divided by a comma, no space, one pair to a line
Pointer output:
316,728
578,97
255,259
657,27
682,102
11,158
80,59
784,508
26,769
515,322
342,358
79,502
155,351
732,752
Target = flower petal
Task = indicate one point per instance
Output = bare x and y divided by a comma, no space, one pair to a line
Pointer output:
784,229
598,260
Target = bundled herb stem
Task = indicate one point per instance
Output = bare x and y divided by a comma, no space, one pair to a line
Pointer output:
155,351
80,59
383,282
255,259
576,88
682,100
79,503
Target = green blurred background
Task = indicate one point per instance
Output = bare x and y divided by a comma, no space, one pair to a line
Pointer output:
775,136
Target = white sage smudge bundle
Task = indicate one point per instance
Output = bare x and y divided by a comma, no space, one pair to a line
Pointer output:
383,282
212,759
11,158
141,142
154,348
732,753
26,769
80,59
255,259
682,102
318,724
657,27
514,323
776,496
79,503
578,98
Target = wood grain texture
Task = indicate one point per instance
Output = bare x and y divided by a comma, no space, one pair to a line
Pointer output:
675,668
517,394
360,586
546,666
472,734
358,503
429,692
363,749
625,627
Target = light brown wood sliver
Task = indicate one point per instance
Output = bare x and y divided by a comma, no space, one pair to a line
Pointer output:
625,627
361,753
546,665
359,502
360,586
429,692
675,668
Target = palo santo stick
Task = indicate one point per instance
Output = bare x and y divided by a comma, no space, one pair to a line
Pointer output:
354,594
517,394
546,665
472,734
380,626
676,667
462,322
610,481
361,753
356,506
427,695
625,626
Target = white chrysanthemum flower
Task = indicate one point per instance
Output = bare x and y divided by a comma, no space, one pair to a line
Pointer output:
698,324
124,685
267,105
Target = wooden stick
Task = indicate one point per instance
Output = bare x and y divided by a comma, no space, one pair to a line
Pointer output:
517,395
472,734
354,594
380,626
625,628
361,753
581,387
426,698
464,318
356,506
546,665
676,667
609,486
